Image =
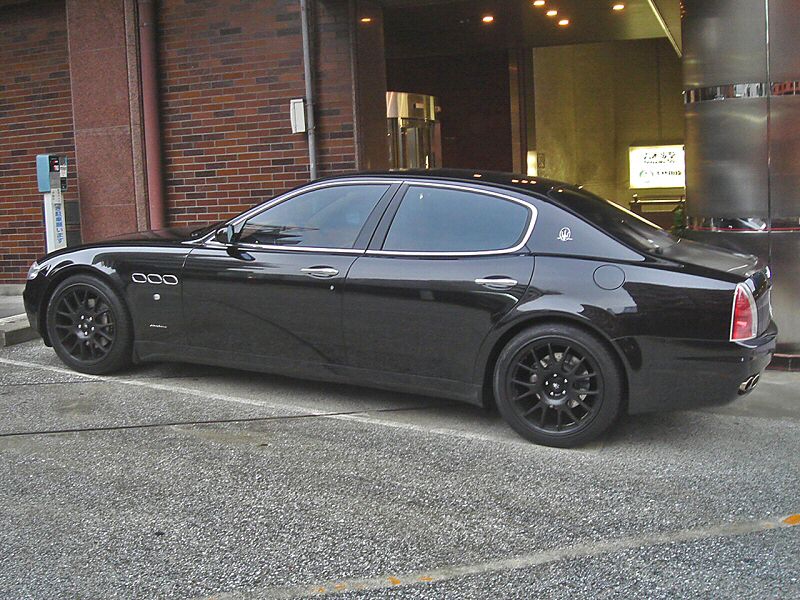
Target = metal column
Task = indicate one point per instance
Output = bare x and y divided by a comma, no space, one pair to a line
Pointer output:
742,86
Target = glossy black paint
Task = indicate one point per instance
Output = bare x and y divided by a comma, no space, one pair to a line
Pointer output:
421,323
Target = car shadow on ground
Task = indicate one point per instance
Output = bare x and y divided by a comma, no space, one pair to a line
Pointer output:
651,428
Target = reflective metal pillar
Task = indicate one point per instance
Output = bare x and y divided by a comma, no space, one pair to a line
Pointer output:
742,87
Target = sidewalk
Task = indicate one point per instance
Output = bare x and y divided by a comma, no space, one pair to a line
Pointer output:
11,305
14,327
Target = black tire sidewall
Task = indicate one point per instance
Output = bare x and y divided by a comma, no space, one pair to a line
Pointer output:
120,353
611,401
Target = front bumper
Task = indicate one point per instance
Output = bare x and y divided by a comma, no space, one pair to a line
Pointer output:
681,374
32,299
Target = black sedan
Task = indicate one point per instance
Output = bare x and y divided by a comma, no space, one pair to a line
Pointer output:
561,308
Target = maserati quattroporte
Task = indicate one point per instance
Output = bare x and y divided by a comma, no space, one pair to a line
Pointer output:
561,308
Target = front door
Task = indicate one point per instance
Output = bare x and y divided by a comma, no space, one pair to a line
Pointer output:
275,296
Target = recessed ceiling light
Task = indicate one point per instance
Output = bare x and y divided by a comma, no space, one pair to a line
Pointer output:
366,19
619,6
564,22
538,2
551,13
488,19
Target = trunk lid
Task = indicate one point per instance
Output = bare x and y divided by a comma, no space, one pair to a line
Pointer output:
743,267
710,257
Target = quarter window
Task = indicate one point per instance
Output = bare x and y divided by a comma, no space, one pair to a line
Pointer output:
330,217
434,219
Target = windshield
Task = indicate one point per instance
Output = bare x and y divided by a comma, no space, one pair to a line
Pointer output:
615,220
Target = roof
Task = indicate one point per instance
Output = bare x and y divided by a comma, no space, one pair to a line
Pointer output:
521,183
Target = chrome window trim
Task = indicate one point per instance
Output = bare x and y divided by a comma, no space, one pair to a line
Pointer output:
476,190
297,248
256,210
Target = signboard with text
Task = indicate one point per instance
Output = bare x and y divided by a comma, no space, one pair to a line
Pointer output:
654,167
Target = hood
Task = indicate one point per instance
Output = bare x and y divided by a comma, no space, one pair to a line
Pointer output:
170,234
711,257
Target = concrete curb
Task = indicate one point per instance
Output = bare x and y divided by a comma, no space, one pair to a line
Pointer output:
11,289
15,330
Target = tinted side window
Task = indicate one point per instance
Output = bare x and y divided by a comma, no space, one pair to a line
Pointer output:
432,219
330,217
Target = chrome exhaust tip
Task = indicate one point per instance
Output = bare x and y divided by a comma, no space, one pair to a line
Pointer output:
748,384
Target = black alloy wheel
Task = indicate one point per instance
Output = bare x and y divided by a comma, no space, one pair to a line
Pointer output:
88,325
557,385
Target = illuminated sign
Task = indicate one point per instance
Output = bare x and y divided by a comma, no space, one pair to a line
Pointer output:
657,167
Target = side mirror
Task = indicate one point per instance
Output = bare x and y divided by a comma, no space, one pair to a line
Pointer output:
228,235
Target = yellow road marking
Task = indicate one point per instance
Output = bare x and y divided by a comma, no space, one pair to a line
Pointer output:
792,520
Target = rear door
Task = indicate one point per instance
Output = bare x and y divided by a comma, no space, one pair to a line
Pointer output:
447,262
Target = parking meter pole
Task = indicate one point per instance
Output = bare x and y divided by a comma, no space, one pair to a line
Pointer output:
51,175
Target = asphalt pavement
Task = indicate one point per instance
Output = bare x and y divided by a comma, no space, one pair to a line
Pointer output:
175,480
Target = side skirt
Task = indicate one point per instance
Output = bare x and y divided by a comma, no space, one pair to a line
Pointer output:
146,351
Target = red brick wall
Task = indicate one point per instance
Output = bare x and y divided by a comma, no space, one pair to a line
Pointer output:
228,70
35,118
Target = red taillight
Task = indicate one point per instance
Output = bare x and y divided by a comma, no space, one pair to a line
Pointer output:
744,322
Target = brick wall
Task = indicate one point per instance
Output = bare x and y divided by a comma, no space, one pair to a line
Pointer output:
228,70
35,118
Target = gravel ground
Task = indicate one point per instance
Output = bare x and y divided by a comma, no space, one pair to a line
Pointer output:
191,482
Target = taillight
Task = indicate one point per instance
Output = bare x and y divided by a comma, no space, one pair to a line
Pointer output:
744,321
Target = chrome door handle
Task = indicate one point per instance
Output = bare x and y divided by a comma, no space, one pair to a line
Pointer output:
497,283
321,272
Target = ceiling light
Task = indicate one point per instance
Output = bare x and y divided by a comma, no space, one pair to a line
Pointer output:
551,13
564,22
538,2
618,7
488,19
366,20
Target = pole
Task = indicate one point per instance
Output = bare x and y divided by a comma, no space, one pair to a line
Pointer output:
307,72
152,132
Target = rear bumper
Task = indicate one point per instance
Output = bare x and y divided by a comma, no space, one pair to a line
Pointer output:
681,374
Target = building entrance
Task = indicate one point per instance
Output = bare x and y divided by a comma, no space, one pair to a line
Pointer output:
589,95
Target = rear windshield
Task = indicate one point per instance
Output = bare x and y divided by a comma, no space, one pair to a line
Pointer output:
620,223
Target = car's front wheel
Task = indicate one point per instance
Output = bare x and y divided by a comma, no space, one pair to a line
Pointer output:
558,385
88,325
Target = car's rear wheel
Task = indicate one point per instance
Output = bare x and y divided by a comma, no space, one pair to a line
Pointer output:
88,325
558,385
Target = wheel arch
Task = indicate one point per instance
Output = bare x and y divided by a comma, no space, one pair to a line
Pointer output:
488,398
64,273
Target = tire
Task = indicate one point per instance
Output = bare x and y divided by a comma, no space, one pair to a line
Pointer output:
89,326
558,385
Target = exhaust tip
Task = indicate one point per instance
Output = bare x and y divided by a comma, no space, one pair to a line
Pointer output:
748,384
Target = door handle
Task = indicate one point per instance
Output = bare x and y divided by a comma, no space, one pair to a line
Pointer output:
497,283
321,272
